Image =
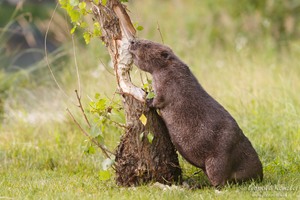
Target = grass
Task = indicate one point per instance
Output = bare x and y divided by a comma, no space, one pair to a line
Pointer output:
43,156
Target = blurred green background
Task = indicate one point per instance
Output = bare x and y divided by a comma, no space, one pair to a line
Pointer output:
245,54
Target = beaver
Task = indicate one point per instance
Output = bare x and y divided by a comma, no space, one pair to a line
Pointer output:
202,130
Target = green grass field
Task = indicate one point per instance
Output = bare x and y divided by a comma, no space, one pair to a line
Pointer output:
42,153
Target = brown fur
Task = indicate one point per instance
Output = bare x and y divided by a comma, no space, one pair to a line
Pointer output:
204,133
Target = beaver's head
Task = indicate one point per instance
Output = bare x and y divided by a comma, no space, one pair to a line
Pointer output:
150,56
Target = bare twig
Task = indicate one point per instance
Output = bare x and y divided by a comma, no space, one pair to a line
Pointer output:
106,67
81,108
103,149
119,124
161,36
76,65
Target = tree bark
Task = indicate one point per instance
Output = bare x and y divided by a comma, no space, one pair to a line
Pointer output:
138,160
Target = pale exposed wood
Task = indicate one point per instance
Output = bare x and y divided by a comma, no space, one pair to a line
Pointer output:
124,61
125,22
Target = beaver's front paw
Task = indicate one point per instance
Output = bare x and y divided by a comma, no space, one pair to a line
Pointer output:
149,103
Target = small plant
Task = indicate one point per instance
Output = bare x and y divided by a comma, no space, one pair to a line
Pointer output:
107,116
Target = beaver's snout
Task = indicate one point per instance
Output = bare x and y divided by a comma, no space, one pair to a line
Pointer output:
132,46
134,49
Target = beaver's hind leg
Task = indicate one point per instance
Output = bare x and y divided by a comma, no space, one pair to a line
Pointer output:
218,170
250,168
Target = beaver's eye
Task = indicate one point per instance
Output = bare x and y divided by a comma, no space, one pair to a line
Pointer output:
164,54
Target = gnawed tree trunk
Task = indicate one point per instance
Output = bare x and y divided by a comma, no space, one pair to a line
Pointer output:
138,160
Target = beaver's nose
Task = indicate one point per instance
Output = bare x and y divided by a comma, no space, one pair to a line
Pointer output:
132,42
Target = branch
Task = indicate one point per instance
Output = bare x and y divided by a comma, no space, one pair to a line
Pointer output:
161,36
81,108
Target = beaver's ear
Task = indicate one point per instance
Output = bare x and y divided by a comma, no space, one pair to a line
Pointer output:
165,55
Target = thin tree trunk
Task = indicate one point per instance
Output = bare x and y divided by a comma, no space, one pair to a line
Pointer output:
138,159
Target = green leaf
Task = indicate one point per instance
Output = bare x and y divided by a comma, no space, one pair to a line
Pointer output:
74,2
101,105
87,37
83,25
146,86
117,115
124,1
82,5
143,119
104,2
97,30
96,2
150,95
139,28
100,139
141,136
82,8
158,112
150,137
104,175
74,15
73,29
97,96
64,3
95,132
90,150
